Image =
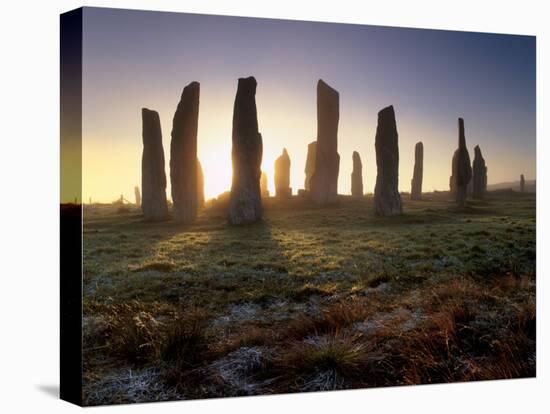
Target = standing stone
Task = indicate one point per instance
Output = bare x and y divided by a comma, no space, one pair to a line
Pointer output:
387,201
183,155
452,186
137,195
153,177
282,175
200,185
479,171
462,169
310,164
416,182
245,203
522,184
263,185
324,182
357,176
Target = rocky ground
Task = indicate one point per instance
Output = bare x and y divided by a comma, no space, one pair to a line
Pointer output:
308,299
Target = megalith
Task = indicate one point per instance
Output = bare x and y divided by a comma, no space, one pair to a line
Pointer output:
416,182
522,183
153,177
387,200
324,182
479,174
137,195
245,202
310,164
357,176
462,168
183,155
282,175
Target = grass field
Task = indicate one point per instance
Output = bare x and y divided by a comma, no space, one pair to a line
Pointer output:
308,299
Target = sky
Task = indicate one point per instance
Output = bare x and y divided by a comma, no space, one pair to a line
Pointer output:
135,59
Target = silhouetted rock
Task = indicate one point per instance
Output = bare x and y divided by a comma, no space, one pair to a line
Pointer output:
387,200
324,182
183,155
137,195
357,176
479,171
462,169
245,205
522,184
452,186
153,177
200,185
310,164
263,185
416,182
282,175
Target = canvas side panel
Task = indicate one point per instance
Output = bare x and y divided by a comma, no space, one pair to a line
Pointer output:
71,206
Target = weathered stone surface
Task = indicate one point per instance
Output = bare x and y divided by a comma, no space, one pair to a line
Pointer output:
387,200
462,168
263,185
416,182
522,183
183,155
282,175
137,194
153,177
245,204
310,164
324,182
200,185
357,176
479,171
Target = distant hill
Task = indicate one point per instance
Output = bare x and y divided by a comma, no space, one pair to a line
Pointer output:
530,186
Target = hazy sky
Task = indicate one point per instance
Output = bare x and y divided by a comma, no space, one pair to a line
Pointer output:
135,59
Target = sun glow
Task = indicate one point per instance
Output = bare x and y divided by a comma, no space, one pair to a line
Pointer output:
218,169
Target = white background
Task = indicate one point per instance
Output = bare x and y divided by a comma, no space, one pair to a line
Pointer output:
29,194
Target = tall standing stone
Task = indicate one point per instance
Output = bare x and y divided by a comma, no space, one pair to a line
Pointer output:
245,203
416,182
137,194
324,182
200,185
479,174
387,200
462,168
282,175
357,176
310,164
522,184
183,155
153,177
263,185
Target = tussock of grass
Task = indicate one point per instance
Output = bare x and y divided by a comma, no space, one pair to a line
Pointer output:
322,363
